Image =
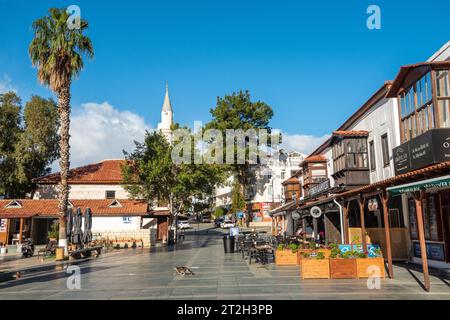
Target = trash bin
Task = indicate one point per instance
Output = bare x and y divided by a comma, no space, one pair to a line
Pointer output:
228,244
59,253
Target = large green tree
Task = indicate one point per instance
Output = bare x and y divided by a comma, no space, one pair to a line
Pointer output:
237,111
57,50
152,174
28,142
37,146
10,105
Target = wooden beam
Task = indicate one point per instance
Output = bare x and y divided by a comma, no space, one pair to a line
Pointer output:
21,231
418,198
387,229
346,240
362,202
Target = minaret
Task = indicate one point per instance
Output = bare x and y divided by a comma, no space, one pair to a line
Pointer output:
166,117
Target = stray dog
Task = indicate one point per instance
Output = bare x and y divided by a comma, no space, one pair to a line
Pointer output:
184,271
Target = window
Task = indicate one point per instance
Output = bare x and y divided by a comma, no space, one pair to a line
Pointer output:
110,194
416,108
443,97
283,175
372,155
350,153
385,149
432,220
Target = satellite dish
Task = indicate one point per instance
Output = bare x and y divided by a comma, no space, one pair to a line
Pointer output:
315,212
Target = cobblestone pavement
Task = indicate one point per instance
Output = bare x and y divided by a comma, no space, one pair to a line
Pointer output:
149,274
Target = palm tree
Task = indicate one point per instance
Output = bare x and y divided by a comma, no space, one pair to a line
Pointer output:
57,52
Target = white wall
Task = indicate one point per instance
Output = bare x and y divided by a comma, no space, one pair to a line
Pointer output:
115,223
82,191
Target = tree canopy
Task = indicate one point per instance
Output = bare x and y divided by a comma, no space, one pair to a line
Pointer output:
28,142
150,173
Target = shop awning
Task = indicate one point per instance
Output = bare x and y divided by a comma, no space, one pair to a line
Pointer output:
427,185
281,210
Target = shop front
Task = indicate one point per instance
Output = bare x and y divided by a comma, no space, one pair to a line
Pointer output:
433,196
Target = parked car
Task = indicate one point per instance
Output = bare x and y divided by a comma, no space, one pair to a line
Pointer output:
184,225
226,224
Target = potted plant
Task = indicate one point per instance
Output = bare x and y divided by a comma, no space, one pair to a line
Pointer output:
342,265
53,233
370,266
315,265
286,255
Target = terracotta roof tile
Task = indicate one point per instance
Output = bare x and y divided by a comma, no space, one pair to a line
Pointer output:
107,171
315,158
351,133
99,207
293,179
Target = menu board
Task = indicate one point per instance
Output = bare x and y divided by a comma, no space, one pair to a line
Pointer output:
435,251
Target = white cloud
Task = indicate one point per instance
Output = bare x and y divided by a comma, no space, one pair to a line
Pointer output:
100,131
6,85
302,143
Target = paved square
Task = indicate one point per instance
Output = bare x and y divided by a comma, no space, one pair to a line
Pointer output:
149,274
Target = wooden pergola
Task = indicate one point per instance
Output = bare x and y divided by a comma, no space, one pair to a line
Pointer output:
382,188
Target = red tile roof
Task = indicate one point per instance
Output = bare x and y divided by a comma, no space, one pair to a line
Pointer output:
291,180
100,207
105,172
314,158
351,133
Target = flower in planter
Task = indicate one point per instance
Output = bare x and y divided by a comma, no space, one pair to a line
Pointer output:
314,255
294,247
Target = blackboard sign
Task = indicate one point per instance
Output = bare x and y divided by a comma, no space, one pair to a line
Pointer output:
429,148
435,251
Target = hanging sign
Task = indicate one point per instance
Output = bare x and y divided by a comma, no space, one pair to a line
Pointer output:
315,212
431,184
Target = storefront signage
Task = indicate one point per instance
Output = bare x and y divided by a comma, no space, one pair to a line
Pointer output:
3,225
429,148
126,220
315,212
435,251
320,188
429,185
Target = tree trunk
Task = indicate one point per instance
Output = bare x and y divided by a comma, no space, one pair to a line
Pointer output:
64,149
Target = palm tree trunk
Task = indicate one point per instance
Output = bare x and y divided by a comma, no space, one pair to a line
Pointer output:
63,196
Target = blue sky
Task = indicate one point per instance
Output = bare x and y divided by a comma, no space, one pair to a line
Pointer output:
314,63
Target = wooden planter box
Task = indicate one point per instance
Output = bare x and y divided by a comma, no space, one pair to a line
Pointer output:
343,269
315,268
285,258
326,252
362,266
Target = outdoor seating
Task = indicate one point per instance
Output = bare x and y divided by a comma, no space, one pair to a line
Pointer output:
50,248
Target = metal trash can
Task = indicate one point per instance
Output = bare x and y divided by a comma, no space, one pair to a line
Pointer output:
228,244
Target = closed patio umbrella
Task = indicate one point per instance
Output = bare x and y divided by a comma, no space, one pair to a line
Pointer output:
77,237
87,237
69,227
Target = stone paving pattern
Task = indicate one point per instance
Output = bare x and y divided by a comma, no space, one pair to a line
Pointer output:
149,274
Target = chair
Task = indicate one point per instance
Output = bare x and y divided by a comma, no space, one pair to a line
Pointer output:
247,245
